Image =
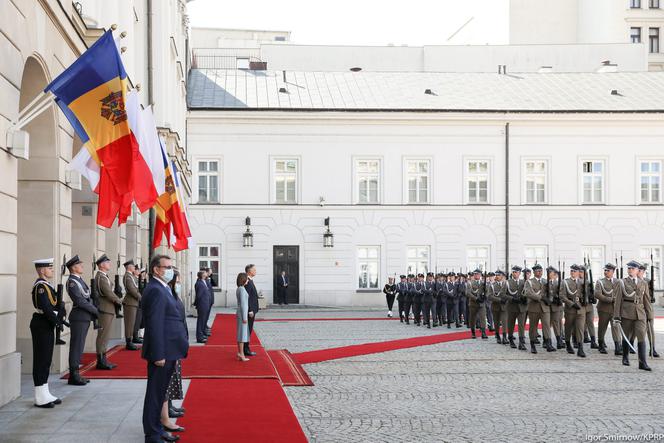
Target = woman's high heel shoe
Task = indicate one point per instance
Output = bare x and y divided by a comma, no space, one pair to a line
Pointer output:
241,358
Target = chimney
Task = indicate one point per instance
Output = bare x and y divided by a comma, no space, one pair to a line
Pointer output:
502,69
607,66
545,69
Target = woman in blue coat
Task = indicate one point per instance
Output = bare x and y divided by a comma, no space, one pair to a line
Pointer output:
242,315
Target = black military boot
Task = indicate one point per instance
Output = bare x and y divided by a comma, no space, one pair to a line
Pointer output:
472,333
130,346
549,345
625,353
75,378
484,337
458,325
593,343
498,340
618,348
522,344
574,342
512,344
653,352
449,324
491,328
602,347
643,364
570,348
101,362
560,343
579,352
533,348
428,325
537,341
137,341
586,337
108,363
505,340
631,350
435,324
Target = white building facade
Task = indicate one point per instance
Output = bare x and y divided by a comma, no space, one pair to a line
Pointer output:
420,188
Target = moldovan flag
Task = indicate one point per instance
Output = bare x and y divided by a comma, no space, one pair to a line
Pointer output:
93,91
170,220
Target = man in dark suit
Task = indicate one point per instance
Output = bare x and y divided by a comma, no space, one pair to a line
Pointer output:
202,304
253,304
282,288
209,281
165,341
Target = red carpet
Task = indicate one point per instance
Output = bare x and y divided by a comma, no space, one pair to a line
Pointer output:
224,331
290,372
239,411
323,319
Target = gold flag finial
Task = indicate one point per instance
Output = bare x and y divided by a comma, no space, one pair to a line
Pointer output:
114,26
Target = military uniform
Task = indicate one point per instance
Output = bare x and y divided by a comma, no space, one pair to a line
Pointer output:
428,299
476,305
516,310
630,310
463,300
402,294
438,310
498,298
589,329
389,290
107,302
418,294
575,312
649,323
605,293
538,310
130,305
452,301
556,308
82,313
410,293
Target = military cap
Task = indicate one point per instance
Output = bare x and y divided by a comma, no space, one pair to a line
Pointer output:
402,276
477,271
537,267
429,274
491,274
411,275
552,269
420,275
633,264
43,262
574,267
102,259
73,261
643,266
517,268
128,262
451,274
499,272
609,267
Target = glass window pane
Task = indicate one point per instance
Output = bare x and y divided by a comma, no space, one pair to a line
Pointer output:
213,166
472,167
202,166
423,196
654,167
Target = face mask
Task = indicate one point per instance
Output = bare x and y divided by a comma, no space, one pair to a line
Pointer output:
178,288
168,275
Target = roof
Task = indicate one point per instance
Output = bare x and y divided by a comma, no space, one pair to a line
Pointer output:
405,91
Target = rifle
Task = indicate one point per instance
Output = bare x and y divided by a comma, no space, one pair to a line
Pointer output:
141,281
563,271
482,298
584,300
94,292
117,289
621,265
651,283
61,306
549,299
591,296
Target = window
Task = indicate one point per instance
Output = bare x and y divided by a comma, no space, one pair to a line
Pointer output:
477,257
208,257
477,181
367,177
593,181
651,181
645,253
417,172
635,35
279,38
285,181
208,181
596,256
536,254
635,4
368,266
418,259
242,63
654,40
654,4
535,176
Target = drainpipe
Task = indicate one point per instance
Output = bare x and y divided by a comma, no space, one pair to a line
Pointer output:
151,213
507,196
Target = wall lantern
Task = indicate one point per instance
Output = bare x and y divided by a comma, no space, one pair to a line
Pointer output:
328,237
248,236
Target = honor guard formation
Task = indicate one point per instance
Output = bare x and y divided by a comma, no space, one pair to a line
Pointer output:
563,306
98,303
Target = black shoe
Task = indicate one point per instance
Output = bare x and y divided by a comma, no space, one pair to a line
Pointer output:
130,346
549,346
512,344
533,348
458,325
169,437
618,349
586,337
249,353
201,341
654,353
108,363
522,344
593,343
75,378
560,343
472,333
175,429
46,405
174,414
505,340
570,348
625,353
537,341
449,326
498,340
579,352
102,364
484,337
137,340
602,347
643,364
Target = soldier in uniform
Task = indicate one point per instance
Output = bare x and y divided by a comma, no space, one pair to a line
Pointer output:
438,303
553,289
410,293
476,303
107,302
498,298
575,313
589,329
402,294
516,308
538,309
136,339
463,300
427,299
82,313
605,292
390,290
650,325
130,303
630,312
42,328
418,294
451,300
